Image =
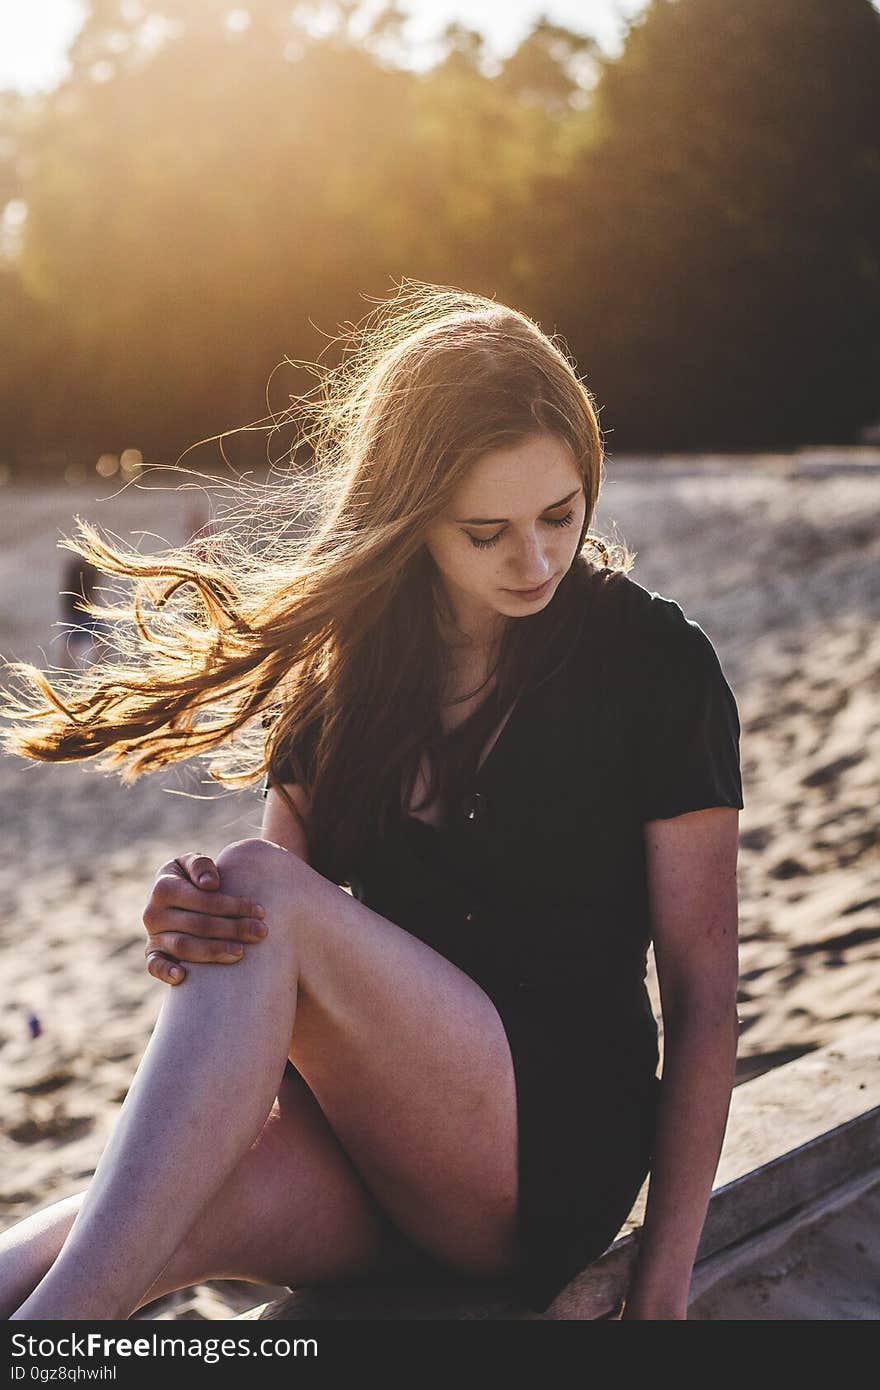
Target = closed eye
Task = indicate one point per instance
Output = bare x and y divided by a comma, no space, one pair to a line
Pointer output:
493,540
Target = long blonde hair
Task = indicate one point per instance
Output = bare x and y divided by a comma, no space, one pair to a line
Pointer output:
318,658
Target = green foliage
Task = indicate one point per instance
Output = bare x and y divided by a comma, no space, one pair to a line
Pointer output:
720,234
203,194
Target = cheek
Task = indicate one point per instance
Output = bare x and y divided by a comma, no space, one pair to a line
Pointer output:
474,568
458,562
439,549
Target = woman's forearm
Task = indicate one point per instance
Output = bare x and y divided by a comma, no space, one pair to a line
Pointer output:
699,1065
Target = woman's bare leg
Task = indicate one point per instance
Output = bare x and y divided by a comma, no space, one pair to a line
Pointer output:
404,1053
294,1211
29,1249
200,1096
410,1063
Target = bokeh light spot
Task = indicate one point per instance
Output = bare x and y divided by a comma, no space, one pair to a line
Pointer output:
131,461
237,21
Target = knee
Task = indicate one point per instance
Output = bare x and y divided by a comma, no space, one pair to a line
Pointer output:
259,870
245,857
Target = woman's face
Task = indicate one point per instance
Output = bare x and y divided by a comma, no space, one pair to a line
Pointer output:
510,533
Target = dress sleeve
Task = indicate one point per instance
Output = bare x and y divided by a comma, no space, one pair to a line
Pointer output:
690,755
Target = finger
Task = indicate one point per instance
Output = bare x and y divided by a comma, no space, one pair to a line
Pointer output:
170,972
224,905
195,948
200,869
198,924
172,891
221,928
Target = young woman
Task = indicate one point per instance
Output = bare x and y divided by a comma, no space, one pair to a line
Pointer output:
522,764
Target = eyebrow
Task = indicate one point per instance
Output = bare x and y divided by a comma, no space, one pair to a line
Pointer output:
498,520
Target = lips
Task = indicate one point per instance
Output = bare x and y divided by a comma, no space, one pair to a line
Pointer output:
533,593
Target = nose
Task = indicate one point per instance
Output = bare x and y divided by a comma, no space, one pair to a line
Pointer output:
533,566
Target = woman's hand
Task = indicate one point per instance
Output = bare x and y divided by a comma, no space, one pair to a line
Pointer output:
187,918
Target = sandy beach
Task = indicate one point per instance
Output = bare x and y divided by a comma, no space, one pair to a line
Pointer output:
776,556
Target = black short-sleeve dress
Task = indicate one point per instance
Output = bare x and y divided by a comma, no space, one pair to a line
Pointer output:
538,890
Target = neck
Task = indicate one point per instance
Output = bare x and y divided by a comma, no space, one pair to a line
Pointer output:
469,637
470,651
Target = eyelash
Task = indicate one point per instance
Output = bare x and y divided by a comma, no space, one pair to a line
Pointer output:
493,540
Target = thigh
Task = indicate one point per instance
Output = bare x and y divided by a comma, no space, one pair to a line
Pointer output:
409,1061
294,1211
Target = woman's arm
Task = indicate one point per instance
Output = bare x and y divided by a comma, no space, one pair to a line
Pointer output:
188,918
692,883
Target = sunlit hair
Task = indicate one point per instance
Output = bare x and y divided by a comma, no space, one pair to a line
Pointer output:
316,656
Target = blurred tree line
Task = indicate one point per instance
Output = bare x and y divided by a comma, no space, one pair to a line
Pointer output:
214,189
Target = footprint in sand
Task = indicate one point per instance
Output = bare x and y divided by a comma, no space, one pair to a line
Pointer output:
57,1125
843,941
758,837
829,772
54,1082
863,906
788,868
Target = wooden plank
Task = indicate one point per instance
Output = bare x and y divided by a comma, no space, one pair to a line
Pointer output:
770,1193
789,1106
737,1257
